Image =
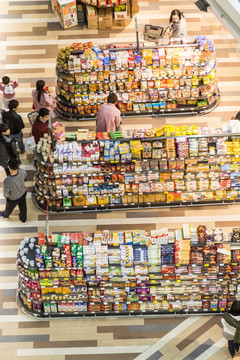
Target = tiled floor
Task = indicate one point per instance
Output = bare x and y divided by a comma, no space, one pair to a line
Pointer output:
29,40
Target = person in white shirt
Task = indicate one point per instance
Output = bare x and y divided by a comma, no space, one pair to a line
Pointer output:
229,331
178,24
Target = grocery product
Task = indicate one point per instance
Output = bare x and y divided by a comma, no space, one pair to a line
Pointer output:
136,168
167,78
194,268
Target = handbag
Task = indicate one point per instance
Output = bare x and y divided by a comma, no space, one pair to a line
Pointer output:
30,144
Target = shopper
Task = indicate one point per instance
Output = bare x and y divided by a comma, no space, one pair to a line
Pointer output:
7,87
108,116
178,24
7,147
40,125
14,191
231,327
42,99
15,124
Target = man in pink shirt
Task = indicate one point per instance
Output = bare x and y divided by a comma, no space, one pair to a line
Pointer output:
108,116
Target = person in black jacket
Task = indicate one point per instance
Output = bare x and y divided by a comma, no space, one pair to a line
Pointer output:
7,147
15,123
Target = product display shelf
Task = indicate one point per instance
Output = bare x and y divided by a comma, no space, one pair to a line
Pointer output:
175,275
165,178
142,89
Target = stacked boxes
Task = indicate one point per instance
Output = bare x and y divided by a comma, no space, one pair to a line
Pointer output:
92,17
105,20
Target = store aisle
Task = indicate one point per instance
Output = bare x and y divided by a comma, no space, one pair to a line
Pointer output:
29,40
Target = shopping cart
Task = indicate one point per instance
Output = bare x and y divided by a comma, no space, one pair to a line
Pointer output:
32,117
154,33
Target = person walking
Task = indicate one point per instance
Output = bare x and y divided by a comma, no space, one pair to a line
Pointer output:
43,99
8,90
15,192
231,327
40,125
178,24
108,116
7,147
15,124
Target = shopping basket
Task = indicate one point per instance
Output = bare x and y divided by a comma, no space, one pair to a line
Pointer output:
32,117
154,33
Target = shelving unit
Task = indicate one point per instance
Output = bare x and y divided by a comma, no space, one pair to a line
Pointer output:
166,171
168,79
130,273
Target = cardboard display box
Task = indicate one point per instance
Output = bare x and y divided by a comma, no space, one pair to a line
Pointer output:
121,23
66,12
105,18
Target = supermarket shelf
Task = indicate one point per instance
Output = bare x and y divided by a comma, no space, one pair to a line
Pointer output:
111,207
186,312
162,112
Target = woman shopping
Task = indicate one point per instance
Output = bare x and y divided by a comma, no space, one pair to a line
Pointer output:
231,328
42,98
178,24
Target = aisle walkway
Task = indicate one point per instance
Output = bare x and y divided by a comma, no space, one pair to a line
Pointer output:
29,40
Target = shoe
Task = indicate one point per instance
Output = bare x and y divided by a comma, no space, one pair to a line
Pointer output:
23,152
1,216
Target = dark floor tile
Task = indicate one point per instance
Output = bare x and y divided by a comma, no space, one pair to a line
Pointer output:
8,272
199,350
157,355
25,229
102,357
33,324
7,312
65,344
27,3
23,338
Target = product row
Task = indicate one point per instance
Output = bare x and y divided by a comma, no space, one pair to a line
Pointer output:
179,152
190,56
89,97
139,78
129,107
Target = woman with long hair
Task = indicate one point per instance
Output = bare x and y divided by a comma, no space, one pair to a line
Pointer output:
43,99
178,24
231,327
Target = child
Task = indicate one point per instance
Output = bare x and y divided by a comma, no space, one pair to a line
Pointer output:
8,90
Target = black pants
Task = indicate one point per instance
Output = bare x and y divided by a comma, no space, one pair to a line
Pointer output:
232,347
22,204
